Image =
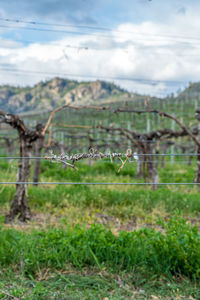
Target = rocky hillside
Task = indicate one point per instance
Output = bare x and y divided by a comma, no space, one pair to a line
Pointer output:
47,95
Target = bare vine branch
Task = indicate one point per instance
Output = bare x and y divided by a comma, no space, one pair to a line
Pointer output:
163,114
93,154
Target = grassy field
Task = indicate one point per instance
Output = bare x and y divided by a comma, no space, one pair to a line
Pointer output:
102,242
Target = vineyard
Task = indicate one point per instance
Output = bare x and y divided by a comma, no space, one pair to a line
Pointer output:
105,203
99,150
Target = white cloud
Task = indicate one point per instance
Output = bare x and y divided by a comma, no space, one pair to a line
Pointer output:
143,50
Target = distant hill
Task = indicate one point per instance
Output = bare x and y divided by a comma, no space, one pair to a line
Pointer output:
58,91
45,96
193,90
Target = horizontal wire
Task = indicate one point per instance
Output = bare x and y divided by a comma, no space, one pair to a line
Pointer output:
173,154
95,28
68,32
17,157
168,154
148,161
153,161
176,38
153,81
101,183
97,34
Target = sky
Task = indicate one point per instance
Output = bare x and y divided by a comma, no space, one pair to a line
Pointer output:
149,47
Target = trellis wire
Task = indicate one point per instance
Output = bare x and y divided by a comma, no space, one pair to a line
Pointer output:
102,183
139,154
130,161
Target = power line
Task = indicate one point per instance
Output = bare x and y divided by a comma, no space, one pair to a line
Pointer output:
55,30
143,80
100,28
84,33
54,24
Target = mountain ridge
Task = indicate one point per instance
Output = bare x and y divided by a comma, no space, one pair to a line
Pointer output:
58,91
46,95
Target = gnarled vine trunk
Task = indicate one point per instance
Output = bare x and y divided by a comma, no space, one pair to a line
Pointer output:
38,150
153,170
147,164
19,205
140,165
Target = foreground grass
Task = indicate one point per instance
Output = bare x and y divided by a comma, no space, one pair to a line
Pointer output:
94,262
140,264
91,284
177,250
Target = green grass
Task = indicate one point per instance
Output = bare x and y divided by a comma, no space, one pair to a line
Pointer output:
82,203
94,262
91,284
176,251
64,253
